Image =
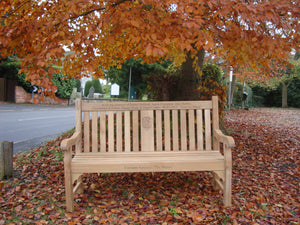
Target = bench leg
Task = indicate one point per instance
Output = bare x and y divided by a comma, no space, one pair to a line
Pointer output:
227,187
69,190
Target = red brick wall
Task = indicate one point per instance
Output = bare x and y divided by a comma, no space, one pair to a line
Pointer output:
23,97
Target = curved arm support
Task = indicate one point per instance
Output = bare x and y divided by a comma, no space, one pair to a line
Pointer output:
229,141
67,143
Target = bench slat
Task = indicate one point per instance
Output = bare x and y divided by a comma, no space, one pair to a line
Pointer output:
175,130
151,162
199,130
158,130
135,130
86,125
102,131
167,135
94,131
111,130
119,124
127,131
207,130
183,130
147,131
192,130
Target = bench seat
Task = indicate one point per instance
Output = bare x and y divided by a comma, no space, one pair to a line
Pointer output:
147,162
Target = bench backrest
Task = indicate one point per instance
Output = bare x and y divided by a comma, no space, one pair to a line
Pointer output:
146,126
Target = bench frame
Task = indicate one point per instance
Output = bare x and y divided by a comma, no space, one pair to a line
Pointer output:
143,157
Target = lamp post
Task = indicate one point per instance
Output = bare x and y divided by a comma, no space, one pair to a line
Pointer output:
229,89
129,85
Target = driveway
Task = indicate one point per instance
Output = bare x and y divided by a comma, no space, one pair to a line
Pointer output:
28,126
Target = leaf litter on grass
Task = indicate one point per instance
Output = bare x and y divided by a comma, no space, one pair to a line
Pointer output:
265,183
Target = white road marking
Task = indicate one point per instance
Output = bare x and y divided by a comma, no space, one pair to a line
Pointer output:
42,118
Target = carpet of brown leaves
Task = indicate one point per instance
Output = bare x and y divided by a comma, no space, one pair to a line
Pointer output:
266,183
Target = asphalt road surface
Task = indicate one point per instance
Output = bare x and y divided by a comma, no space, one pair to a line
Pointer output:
28,126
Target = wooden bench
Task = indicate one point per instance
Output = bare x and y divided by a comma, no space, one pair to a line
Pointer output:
147,137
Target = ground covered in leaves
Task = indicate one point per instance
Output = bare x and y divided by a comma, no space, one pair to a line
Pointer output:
266,183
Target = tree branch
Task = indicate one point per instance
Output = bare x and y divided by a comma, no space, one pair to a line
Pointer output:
13,11
91,11
96,10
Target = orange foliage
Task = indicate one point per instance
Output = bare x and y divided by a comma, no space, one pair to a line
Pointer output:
209,88
101,34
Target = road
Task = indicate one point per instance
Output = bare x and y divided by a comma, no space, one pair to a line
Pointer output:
28,126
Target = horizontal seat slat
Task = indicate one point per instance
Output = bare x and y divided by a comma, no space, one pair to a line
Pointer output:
148,162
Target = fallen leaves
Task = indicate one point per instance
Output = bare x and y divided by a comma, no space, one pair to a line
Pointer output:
265,184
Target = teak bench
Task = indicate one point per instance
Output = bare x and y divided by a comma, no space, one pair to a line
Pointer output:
147,137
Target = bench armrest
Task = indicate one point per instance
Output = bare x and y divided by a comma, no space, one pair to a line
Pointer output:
67,143
218,134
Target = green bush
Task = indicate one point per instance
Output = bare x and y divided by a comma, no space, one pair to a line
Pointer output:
64,85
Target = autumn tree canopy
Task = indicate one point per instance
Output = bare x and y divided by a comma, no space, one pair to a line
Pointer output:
101,34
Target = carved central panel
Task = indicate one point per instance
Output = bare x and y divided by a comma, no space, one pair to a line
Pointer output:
147,122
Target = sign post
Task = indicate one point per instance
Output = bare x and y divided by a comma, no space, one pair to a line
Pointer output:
33,90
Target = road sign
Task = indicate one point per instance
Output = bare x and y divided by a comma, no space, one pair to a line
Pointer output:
115,89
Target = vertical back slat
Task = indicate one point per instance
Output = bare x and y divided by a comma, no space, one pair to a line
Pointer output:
127,131
78,123
167,130
86,124
175,129
192,129
207,130
215,120
111,132
183,131
102,131
119,131
147,131
200,130
94,131
135,131
158,127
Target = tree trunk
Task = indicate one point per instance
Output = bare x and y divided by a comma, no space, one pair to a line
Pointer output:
284,95
165,90
190,78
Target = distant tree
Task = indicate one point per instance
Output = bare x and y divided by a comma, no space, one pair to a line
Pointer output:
285,78
87,87
78,85
139,74
96,84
